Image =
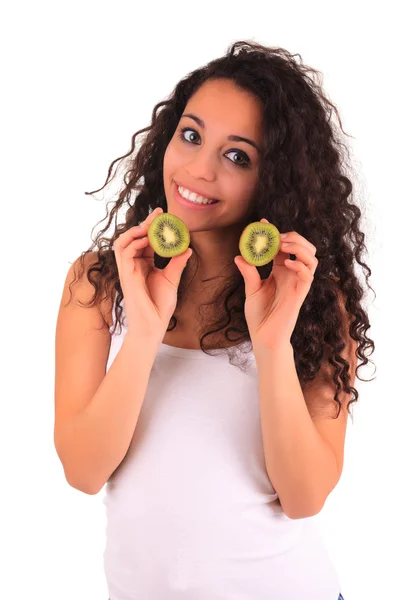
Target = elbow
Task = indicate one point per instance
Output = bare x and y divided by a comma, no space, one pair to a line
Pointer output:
86,489
83,486
80,483
301,514
302,510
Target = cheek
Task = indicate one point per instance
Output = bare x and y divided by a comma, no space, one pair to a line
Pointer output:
167,155
242,191
244,199
172,159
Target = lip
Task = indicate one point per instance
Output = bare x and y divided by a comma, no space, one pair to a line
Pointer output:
195,191
191,205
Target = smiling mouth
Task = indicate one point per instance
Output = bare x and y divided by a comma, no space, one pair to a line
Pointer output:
208,203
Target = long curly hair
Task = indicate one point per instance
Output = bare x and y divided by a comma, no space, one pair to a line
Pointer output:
304,184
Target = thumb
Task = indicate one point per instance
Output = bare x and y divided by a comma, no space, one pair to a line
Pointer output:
173,270
252,279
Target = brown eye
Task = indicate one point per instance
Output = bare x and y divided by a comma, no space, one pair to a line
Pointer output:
182,134
243,156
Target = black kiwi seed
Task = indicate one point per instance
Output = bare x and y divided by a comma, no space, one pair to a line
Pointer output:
259,243
168,235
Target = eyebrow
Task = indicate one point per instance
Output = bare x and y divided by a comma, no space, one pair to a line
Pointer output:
234,138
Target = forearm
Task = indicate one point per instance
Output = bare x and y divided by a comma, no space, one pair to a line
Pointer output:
301,466
94,441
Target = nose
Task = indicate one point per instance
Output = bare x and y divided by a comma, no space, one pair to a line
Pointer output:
202,166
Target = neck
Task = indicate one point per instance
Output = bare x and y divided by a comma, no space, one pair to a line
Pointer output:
214,253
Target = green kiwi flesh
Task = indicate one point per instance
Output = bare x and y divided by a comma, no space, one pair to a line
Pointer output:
168,235
259,243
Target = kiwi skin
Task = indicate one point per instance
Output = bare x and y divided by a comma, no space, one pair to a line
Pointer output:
168,235
269,240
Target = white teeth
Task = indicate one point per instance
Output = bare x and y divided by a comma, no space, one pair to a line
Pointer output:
192,197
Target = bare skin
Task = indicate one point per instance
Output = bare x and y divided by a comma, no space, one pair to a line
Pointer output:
209,163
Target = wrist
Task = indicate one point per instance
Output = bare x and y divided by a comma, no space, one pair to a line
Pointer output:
143,343
279,346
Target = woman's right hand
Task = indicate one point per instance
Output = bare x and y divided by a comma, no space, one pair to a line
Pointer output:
150,294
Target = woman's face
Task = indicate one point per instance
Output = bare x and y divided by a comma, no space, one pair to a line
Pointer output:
205,161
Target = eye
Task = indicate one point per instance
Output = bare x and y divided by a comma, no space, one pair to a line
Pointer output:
241,154
182,134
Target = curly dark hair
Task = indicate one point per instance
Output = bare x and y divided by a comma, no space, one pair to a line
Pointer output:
304,185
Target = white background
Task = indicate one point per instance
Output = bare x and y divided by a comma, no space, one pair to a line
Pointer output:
79,78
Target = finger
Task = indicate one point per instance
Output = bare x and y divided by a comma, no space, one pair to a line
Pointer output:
302,253
173,270
139,248
133,250
150,218
294,237
138,231
148,250
304,278
302,240
127,237
137,244
252,279
303,272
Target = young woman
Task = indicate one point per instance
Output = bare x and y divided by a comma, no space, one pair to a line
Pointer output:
218,454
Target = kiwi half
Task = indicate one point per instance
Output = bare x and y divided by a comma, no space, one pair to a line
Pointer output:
168,235
259,243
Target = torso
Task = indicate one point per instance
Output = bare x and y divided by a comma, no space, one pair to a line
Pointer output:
188,339
185,334
181,339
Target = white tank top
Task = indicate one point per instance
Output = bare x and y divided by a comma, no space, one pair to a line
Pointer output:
191,512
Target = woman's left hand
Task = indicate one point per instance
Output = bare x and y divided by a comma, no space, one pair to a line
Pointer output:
272,305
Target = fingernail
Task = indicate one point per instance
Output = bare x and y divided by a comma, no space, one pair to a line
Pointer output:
284,235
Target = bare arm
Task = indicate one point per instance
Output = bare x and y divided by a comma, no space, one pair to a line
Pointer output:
302,466
96,412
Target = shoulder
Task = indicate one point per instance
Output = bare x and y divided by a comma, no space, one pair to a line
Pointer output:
79,273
